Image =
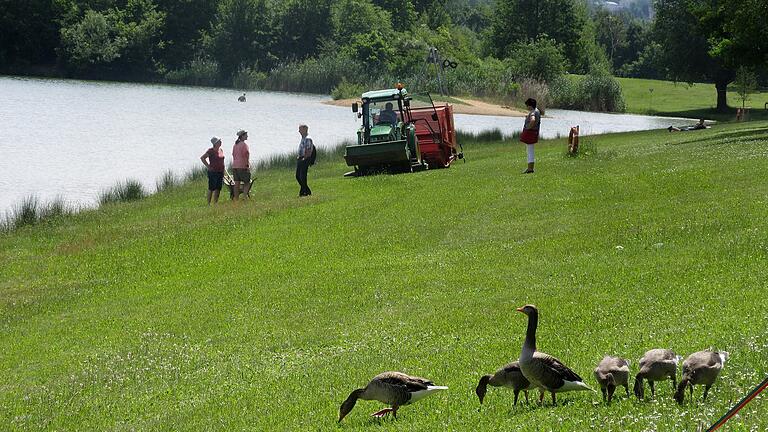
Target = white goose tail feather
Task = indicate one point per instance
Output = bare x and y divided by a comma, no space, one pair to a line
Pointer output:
421,394
576,386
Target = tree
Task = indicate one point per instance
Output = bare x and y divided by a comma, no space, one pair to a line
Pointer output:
527,20
746,83
303,25
241,37
541,60
184,20
352,17
709,39
403,13
29,31
117,42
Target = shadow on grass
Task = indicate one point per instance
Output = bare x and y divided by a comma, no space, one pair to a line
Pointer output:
755,114
724,138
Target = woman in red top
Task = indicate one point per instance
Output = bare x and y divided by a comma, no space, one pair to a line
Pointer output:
213,159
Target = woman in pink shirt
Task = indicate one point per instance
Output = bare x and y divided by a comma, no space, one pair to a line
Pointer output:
240,166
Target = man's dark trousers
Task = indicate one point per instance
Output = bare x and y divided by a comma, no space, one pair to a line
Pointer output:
302,166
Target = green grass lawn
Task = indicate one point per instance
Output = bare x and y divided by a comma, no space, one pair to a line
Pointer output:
684,100
165,314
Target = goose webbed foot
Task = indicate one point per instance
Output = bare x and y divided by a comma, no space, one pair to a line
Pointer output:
382,413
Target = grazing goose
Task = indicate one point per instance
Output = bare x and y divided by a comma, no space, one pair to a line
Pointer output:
656,365
508,376
701,367
610,372
542,370
392,388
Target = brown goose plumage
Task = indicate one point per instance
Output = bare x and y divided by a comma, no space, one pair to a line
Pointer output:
542,370
656,365
392,388
701,367
612,372
508,376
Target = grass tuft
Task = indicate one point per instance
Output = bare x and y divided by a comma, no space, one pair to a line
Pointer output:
196,173
485,137
128,190
167,181
31,211
288,160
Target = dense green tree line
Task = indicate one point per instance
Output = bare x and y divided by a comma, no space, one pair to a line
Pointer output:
320,45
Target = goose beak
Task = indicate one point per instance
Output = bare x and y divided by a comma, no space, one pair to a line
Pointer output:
520,310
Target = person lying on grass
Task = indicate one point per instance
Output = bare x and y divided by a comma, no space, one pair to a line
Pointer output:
697,126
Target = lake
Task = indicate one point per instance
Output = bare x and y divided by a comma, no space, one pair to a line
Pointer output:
72,139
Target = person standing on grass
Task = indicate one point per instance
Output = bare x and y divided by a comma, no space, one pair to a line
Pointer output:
530,135
304,160
213,159
241,171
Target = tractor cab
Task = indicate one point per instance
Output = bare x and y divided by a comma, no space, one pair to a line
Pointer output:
393,135
383,115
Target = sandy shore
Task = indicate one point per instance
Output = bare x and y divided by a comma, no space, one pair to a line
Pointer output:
473,107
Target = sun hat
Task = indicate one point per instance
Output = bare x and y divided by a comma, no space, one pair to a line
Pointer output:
214,140
241,133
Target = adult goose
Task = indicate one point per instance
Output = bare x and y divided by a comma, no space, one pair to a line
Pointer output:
542,370
701,367
508,376
392,388
612,372
656,365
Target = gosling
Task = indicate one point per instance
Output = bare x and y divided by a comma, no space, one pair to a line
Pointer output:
612,372
508,376
656,365
701,367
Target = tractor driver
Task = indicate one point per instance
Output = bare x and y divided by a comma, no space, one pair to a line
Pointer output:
388,115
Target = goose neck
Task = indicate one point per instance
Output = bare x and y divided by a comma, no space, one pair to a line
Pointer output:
530,334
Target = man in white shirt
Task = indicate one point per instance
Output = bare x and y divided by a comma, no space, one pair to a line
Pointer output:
303,161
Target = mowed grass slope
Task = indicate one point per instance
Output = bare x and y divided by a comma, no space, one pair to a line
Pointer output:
165,314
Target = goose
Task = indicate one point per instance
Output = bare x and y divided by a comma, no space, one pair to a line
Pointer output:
701,367
508,376
542,370
656,365
610,372
392,388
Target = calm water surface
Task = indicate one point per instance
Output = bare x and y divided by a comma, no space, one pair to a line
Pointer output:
73,139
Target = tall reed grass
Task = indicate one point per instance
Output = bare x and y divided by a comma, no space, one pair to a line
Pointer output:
167,181
128,190
485,137
288,160
31,211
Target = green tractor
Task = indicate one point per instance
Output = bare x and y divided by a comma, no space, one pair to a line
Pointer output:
396,137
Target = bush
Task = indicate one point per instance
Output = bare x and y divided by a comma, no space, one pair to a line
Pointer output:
531,88
319,75
542,60
129,190
347,90
565,92
594,92
249,79
199,72
602,93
